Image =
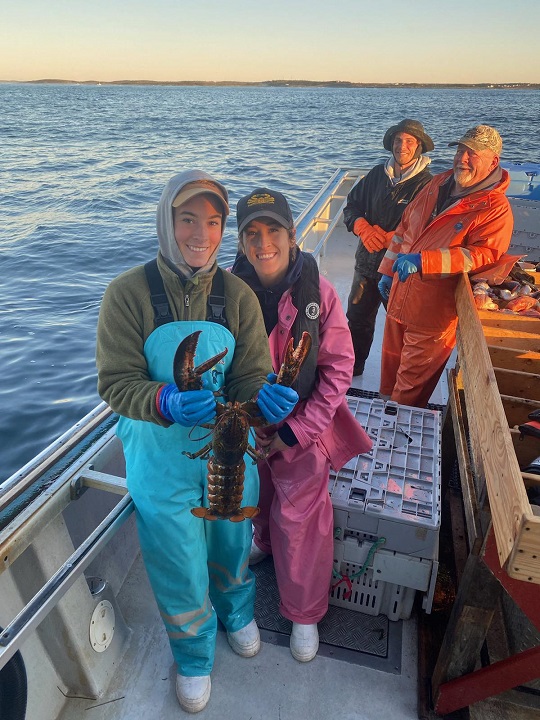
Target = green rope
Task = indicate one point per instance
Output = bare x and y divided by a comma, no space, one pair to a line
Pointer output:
373,549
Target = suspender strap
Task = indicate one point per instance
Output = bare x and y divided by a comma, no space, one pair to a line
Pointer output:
160,303
216,299
306,295
158,297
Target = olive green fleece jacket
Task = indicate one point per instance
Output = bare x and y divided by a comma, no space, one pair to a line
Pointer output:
126,319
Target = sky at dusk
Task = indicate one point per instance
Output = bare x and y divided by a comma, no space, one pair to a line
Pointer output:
366,41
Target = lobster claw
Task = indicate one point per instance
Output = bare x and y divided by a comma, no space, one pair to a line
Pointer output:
293,360
186,376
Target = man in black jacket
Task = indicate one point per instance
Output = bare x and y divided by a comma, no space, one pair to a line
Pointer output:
373,211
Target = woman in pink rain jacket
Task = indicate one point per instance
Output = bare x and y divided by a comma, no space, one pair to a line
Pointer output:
295,523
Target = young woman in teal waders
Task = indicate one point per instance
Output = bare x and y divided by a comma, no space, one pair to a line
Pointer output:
198,569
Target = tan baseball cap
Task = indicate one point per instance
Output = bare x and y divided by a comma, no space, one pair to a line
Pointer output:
481,137
200,187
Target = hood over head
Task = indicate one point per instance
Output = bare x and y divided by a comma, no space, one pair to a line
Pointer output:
179,189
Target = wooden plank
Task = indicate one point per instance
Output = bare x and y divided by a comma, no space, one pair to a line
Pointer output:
517,409
519,384
510,331
476,600
488,426
470,504
510,705
460,545
512,339
526,595
514,359
524,561
489,681
515,322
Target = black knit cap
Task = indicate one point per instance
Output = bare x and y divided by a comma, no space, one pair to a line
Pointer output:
411,127
263,202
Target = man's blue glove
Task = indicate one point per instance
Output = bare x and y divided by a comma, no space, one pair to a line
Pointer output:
276,402
188,408
384,285
406,265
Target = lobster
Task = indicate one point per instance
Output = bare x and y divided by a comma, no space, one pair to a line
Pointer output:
230,432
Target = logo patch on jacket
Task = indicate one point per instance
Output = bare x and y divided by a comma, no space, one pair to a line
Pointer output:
458,226
313,311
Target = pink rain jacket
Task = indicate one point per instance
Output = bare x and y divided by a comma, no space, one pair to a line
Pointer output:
324,418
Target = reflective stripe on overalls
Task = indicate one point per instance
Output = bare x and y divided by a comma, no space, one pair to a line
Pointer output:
193,565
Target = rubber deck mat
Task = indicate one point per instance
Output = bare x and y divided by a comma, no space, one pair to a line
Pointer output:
355,637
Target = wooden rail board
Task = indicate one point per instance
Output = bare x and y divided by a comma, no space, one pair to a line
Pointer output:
520,384
517,409
509,505
470,504
516,323
509,339
511,358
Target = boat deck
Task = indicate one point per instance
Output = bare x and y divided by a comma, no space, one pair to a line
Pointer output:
270,685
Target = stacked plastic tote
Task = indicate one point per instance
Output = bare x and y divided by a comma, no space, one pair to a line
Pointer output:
387,512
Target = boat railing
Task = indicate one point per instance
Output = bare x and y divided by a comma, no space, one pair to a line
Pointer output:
316,223
87,470
56,587
20,481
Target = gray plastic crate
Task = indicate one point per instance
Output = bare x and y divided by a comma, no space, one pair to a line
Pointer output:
394,490
390,583
372,596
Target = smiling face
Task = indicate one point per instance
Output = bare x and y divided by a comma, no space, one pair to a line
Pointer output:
267,246
472,166
198,226
404,148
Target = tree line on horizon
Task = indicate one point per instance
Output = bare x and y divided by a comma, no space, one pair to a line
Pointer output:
285,83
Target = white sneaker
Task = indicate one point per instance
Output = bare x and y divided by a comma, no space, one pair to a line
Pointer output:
256,554
247,641
304,642
193,692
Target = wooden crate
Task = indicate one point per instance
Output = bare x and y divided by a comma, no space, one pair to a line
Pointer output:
499,359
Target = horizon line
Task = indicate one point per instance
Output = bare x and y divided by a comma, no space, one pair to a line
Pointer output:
286,83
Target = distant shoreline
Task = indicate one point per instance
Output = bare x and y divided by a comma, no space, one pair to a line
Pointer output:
285,83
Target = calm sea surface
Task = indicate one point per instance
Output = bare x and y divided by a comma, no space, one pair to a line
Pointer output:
82,171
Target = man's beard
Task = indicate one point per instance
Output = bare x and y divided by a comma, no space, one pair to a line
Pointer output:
463,177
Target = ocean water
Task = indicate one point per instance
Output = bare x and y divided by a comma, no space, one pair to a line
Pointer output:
82,171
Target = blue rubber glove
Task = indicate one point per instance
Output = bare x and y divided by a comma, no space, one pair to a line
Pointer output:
276,402
384,285
406,265
188,408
